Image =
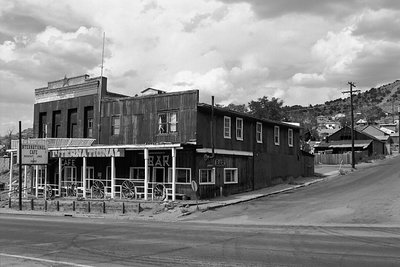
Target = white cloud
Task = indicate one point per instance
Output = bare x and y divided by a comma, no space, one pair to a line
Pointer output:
7,51
308,78
338,50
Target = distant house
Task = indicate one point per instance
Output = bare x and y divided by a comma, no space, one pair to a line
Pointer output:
340,142
361,122
381,135
389,126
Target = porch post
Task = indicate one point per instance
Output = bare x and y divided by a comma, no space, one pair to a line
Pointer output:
11,174
25,178
36,180
84,177
59,175
112,177
173,173
146,172
45,182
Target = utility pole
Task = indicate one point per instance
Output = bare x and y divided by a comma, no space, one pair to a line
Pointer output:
353,158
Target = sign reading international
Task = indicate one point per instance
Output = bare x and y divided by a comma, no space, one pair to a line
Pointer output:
34,152
88,152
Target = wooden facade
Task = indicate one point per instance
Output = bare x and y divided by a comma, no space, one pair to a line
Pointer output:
223,151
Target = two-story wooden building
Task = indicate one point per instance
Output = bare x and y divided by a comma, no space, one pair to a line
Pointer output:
104,144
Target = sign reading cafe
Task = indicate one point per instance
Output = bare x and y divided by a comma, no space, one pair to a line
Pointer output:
88,152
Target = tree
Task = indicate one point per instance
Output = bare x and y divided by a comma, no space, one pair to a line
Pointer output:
239,108
264,108
9,135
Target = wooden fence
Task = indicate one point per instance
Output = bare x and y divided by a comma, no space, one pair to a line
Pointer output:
336,159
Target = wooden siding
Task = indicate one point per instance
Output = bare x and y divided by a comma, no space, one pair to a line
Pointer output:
270,161
249,142
139,118
245,175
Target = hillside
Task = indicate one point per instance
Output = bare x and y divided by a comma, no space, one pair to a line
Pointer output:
373,104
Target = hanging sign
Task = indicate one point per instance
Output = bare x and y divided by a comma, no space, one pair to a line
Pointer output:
33,152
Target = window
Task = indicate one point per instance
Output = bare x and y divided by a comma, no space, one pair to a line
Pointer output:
42,125
56,132
290,137
276,135
167,123
230,175
259,132
88,124
69,175
90,173
89,176
239,129
115,125
136,173
183,175
72,130
227,127
207,176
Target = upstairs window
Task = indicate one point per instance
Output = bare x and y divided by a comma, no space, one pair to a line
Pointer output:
115,125
56,132
167,123
276,135
290,137
239,129
259,132
42,125
227,127
88,123
72,127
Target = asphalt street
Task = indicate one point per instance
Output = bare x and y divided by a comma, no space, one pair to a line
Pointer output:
55,241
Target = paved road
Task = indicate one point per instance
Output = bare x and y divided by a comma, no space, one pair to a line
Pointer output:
368,196
55,241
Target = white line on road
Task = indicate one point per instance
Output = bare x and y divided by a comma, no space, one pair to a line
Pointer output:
43,260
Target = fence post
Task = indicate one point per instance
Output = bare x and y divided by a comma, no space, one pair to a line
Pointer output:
32,208
73,205
104,207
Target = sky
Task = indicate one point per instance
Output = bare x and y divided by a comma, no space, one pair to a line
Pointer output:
300,51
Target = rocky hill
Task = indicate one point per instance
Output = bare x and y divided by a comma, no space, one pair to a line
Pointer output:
373,104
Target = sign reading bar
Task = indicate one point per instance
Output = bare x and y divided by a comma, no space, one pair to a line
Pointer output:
88,152
33,153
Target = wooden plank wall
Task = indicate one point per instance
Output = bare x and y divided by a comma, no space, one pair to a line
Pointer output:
139,118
